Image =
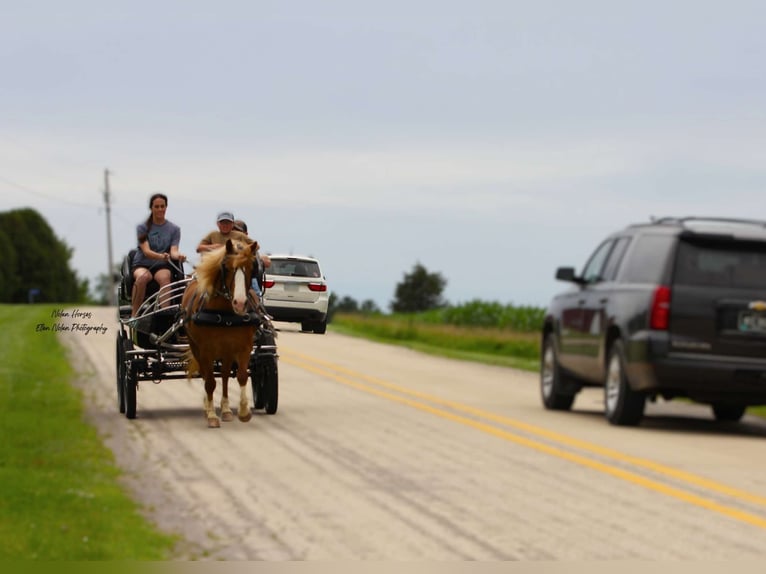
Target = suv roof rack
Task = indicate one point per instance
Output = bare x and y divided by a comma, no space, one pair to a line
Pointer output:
684,220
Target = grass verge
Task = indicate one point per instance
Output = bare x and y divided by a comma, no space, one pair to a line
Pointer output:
490,346
61,495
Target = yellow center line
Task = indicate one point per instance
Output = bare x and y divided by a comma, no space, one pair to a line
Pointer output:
308,363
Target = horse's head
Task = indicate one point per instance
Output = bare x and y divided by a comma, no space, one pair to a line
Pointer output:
226,273
238,265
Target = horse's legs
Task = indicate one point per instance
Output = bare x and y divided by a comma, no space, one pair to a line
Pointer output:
226,414
243,413
212,419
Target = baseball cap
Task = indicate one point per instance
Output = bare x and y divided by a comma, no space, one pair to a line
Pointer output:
225,216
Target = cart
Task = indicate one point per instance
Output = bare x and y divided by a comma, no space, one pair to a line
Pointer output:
152,346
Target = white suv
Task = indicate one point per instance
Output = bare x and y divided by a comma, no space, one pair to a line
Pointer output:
295,290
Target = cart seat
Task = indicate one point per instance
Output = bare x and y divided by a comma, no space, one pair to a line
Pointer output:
125,289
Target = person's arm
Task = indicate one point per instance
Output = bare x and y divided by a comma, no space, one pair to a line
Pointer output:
175,254
202,247
174,243
149,254
206,244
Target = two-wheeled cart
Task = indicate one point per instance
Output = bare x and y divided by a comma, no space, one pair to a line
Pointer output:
152,345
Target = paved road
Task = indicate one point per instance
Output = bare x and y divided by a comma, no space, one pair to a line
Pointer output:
380,453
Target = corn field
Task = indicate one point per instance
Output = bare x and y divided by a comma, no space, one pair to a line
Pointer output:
525,319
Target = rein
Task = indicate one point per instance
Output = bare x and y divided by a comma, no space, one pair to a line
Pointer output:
225,293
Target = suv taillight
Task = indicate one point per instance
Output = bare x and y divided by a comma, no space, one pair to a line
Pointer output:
267,283
317,286
659,317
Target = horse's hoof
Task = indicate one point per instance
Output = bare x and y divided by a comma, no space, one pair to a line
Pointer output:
213,423
246,416
227,417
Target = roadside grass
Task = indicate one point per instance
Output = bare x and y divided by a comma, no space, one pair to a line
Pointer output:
493,346
61,494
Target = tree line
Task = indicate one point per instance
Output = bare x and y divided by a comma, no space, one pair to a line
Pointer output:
35,263
419,290
36,268
420,293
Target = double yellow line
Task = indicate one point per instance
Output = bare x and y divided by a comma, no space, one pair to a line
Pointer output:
457,413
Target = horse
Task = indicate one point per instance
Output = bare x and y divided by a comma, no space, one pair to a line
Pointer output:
220,320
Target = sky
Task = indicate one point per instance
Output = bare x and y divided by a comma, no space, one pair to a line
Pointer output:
489,141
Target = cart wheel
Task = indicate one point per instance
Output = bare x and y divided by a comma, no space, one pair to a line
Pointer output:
131,382
256,382
120,364
265,382
270,386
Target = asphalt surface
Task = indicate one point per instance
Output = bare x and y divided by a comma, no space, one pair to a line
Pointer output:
381,453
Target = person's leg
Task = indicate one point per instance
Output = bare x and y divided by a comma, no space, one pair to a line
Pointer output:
141,278
162,277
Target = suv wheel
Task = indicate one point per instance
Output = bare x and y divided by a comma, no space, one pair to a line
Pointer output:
726,412
320,327
622,405
551,382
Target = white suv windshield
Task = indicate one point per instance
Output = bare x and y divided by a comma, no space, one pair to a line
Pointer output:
294,268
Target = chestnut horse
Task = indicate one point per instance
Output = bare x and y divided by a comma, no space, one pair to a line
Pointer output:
220,322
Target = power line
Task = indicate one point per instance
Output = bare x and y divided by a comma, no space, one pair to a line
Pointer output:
43,195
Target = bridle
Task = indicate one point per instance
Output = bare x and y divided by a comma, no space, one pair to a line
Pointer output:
223,290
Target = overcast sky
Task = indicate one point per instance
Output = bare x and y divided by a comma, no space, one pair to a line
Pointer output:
491,141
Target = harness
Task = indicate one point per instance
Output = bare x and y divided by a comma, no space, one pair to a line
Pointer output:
224,292
225,319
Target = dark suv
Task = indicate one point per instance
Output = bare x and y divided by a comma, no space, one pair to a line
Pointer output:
671,308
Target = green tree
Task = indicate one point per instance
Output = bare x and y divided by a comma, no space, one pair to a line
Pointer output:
39,261
348,304
345,304
9,281
105,284
369,306
419,291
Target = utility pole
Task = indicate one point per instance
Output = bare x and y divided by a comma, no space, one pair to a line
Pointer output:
110,272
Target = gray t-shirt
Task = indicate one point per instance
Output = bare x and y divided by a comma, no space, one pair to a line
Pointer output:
161,238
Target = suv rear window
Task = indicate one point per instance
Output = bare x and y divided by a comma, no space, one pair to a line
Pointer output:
729,264
293,268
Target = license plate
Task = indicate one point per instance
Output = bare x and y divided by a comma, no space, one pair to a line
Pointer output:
752,322
291,286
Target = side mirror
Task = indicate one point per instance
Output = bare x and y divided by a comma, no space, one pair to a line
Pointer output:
567,274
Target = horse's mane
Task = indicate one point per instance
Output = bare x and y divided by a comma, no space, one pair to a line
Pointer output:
209,268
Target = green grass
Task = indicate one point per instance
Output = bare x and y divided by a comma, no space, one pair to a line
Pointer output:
488,345
61,498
